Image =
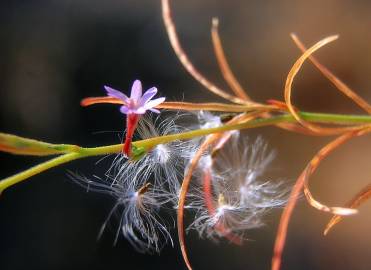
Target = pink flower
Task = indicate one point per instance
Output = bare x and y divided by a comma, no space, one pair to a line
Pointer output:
134,106
137,103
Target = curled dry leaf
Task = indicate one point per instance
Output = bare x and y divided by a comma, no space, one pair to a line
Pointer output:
359,199
98,100
183,194
301,183
223,63
186,106
341,86
183,58
288,89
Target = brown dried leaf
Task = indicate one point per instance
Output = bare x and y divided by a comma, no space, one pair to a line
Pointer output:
359,199
223,63
183,194
183,58
298,187
288,89
99,100
186,106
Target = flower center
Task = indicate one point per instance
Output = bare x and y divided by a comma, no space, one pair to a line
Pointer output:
132,103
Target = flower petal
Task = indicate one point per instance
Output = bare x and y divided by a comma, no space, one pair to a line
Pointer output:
115,93
154,110
124,110
136,90
150,93
140,110
153,103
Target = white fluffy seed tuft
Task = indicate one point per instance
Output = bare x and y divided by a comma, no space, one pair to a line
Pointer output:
240,194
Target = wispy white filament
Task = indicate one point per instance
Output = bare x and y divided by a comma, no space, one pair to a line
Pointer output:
241,194
137,208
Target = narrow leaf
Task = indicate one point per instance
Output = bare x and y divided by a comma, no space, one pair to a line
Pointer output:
22,146
223,63
302,183
359,199
288,90
341,86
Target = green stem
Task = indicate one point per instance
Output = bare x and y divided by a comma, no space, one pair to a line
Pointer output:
12,180
284,118
329,118
81,152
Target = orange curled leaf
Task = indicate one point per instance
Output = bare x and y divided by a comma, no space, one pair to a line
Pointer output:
298,187
183,194
318,205
288,89
277,103
283,225
294,127
186,106
313,165
187,64
223,63
99,100
342,87
359,199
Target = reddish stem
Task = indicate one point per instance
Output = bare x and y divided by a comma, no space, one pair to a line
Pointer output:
131,124
208,197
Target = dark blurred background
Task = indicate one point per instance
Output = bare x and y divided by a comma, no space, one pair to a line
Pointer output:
54,53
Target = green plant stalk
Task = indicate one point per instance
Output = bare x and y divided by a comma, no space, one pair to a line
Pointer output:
12,180
81,152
